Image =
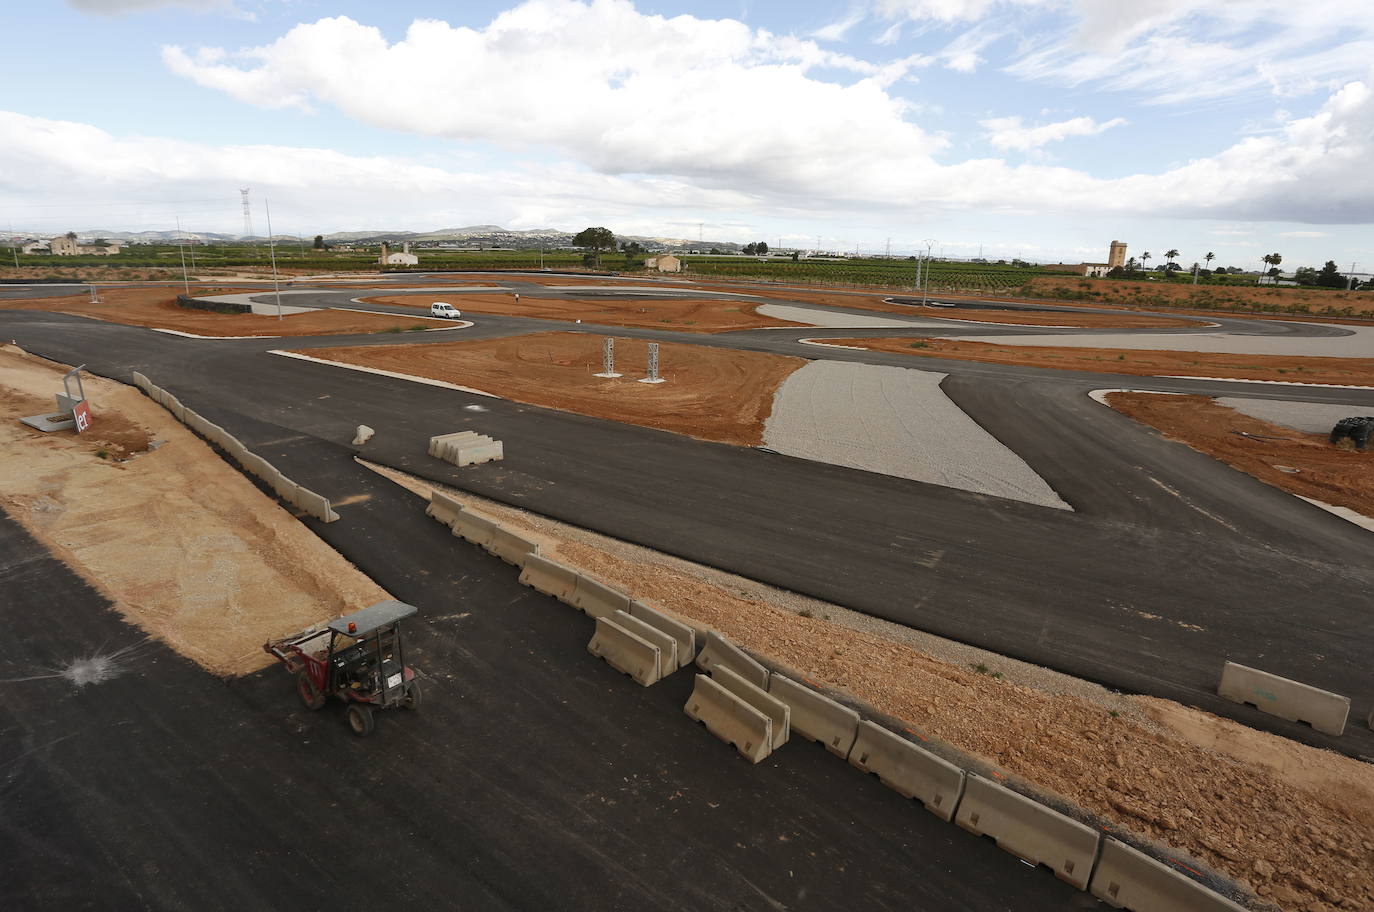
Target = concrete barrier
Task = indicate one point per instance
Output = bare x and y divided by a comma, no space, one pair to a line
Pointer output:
1323,710
436,443
685,636
237,451
625,651
779,713
474,528
907,769
286,489
511,547
816,716
198,424
1028,829
1128,879
362,435
316,505
480,453
720,651
449,446
598,599
667,646
254,464
443,508
549,578
730,719
140,381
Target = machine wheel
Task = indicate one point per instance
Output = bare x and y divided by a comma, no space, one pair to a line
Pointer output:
360,719
310,694
412,699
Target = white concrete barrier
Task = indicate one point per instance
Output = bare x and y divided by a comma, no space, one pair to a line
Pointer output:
549,577
286,489
480,453
720,651
667,646
1028,829
362,435
908,769
474,528
686,637
443,508
598,599
1321,709
510,546
730,719
316,505
141,381
1128,879
625,651
778,713
255,465
436,443
816,716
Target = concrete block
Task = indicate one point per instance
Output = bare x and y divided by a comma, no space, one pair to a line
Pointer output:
1028,829
66,403
816,716
778,713
140,381
474,528
475,455
1128,879
626,651
316,505
598,599
667,646
686,636
730,719
362,435
511,547
549,578
443,508
720,651
436,442
908,769
256,466
174,406
286,489
449,449
237,451
1321,709
198,424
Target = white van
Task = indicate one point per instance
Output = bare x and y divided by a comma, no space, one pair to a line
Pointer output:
440,309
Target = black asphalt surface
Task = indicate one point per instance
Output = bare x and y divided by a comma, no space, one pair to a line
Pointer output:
533,777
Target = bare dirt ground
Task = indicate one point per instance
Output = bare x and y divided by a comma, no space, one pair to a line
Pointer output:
156,308
91,273
711,393
1293,822
184,546
1207,297
1333,475
668,313
1134,362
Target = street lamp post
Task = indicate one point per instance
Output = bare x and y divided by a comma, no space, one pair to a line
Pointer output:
925,288
272,246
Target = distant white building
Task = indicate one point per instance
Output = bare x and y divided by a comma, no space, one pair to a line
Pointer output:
35,247
664,262
404,258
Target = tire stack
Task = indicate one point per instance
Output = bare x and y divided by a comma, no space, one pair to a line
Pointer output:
1359,430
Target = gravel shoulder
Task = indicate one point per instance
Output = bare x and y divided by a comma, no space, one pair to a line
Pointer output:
895,421
1308,417
1359,344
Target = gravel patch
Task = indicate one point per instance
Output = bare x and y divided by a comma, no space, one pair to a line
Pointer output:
836,319
895,421
1308,417
1359,344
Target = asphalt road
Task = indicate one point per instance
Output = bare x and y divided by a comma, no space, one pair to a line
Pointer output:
534,776
1172,563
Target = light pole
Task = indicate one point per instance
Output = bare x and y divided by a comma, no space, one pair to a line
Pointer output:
271,245
925,289
185,280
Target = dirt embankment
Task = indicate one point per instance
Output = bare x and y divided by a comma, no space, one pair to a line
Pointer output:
711,393
690,315
1295,823
1134,362
183,545
1202,297
1303,464
156,308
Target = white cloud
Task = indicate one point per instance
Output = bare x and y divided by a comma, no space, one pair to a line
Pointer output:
1303,234
1008,133
116,7
945,10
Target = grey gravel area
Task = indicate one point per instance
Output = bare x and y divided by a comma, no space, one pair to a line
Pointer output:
835,319
895,421
1012,670
264,309
1309,417
1359,344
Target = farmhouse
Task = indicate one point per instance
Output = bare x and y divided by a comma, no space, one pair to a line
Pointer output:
67,246
404,258
664,262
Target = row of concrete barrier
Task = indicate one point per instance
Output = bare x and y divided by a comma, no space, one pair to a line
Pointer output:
314,504
744,704
466,448
1287,699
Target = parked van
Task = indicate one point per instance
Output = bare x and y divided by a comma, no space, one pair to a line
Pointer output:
440,309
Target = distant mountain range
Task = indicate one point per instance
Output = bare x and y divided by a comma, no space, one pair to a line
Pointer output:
474,236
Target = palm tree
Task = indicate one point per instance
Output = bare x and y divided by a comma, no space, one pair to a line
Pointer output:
1145,259
1170,256
1209,256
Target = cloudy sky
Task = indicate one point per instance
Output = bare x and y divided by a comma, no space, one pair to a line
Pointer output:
1044,128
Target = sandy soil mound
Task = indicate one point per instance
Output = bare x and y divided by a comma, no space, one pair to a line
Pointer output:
182,544
157,308
1344,478
692,315
1135,362
712,393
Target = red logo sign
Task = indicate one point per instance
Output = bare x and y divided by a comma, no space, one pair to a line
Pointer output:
82,414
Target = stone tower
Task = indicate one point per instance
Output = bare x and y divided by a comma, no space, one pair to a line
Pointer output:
1117,255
